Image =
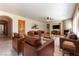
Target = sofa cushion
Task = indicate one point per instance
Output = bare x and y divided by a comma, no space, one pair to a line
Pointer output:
69,45
73,36
33,40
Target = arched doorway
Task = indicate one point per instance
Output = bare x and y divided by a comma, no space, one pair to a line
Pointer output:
6,26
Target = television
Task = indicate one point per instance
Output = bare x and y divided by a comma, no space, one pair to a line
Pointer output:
56,26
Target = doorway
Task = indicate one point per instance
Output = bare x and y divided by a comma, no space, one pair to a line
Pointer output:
5,26
1,29
21,26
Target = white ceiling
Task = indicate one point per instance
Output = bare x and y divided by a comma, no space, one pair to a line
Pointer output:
57,11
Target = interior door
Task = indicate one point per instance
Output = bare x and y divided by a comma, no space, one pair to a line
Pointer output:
21,26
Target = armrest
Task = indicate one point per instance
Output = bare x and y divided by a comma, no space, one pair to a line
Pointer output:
46,39
45,44
71,40
28,50
67,39
21,38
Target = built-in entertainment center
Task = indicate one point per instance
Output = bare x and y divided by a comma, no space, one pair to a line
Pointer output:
56,26
55,29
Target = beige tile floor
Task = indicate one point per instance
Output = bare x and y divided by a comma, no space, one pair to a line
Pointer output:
57,49
6,47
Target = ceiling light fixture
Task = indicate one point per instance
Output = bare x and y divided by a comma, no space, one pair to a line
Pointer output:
48,19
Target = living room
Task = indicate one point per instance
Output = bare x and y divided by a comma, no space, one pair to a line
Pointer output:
37,28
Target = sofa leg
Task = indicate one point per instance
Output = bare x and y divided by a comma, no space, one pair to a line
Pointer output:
18,53
63,53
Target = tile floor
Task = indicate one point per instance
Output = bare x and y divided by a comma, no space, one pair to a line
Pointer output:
6,47
57,49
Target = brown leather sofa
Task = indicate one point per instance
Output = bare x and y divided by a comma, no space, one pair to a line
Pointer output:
33,47
28,50
70,45
18,39
46,49
32,33
17,42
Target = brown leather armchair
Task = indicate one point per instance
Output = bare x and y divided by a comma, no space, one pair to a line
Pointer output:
33,47
17,42
70,45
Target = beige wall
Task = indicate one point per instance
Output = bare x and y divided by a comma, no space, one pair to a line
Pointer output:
68,24
29,22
